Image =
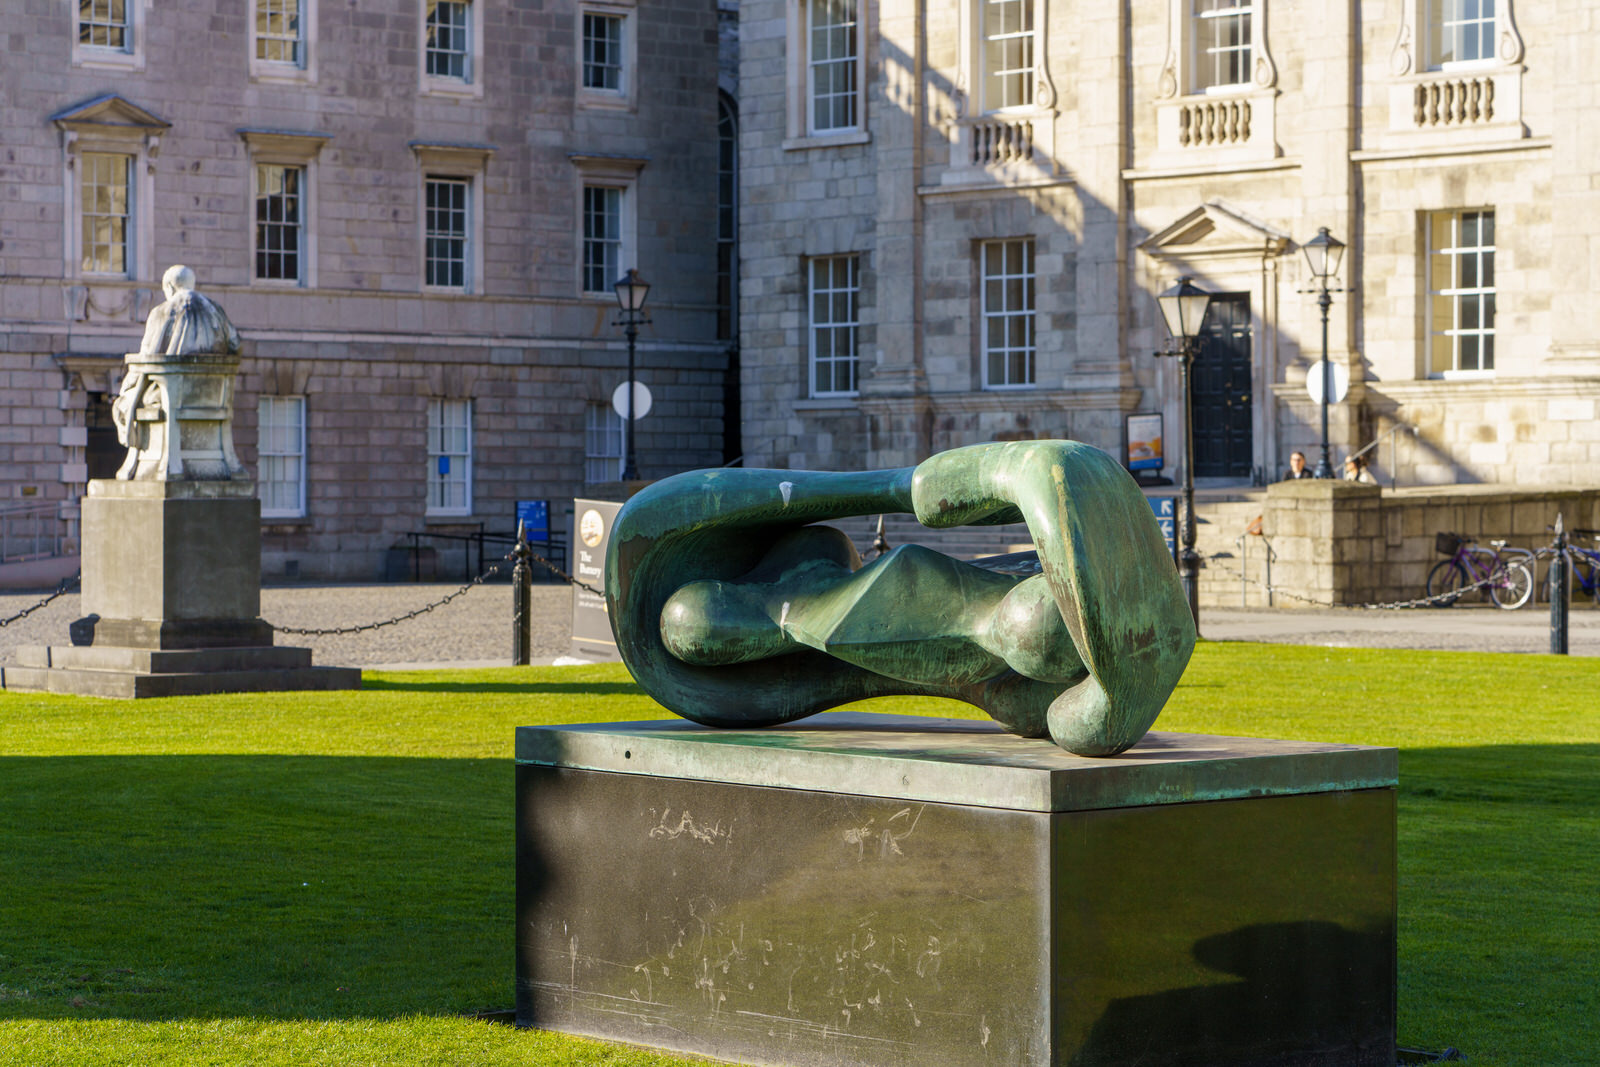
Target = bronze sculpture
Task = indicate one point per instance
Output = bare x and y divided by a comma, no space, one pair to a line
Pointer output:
733,608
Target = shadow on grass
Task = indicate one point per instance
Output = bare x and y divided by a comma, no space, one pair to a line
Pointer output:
594,688
170,887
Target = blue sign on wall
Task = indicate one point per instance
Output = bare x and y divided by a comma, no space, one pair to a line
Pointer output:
1166,509
535,518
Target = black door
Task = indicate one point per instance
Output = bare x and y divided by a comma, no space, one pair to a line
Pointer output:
1222,436
104,453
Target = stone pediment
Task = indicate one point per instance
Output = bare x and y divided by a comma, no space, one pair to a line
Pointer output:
109,110
1216,229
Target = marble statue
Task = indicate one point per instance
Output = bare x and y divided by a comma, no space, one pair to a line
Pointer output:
733,607
175,409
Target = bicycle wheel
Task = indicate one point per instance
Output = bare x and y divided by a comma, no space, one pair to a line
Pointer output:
1513,585
1447,576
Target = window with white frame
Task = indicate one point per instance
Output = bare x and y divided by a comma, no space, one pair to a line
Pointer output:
826,73
602,444
831,65
1461,291
106,212
280,221
603,51
602,237
1460,31
105,24
109,146
1008,313
109,33
1008,61
835,321
449,457
606,241
1222,40
280,32
281,455
447,232
447,40
283,178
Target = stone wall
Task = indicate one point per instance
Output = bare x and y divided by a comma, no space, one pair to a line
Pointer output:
1343,543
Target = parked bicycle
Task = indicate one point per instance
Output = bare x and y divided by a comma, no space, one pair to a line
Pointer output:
1585,562
1506,573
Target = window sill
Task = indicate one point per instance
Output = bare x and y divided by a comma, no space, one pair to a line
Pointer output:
264,70
450,518
91,58
1027,387
846,402
1462,375
451,88
285,520
604,100
827,140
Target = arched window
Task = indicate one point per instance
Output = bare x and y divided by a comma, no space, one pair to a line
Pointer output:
727,218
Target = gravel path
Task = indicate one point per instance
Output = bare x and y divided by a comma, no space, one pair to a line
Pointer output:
475,628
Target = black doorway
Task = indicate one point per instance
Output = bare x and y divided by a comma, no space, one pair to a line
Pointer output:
104,453
1223,439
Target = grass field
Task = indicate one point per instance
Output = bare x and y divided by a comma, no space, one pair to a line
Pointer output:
327,878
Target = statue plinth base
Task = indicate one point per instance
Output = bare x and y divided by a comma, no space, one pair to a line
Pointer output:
170,567
887,890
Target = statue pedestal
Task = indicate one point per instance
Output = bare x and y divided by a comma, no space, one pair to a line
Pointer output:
888,890
171,600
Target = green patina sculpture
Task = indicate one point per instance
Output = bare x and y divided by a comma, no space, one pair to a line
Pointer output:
732,608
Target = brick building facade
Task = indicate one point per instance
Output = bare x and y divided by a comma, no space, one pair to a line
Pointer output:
956,217
413,211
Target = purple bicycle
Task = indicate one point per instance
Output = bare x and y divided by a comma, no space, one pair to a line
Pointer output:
1507,574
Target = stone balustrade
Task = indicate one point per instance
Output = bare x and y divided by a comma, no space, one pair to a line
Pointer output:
993,141
1210,122
1453,101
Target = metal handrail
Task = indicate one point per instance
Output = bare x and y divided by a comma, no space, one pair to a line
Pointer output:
1388,435
45,519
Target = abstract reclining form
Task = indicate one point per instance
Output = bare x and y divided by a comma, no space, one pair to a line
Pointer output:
733,609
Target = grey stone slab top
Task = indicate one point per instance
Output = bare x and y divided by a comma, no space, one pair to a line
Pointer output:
960,761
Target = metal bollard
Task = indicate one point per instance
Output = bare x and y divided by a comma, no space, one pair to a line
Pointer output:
1559,585
521,601
880,543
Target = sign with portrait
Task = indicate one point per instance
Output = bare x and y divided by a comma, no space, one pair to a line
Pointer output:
591,624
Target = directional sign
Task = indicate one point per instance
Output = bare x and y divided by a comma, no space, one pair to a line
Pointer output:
1166,509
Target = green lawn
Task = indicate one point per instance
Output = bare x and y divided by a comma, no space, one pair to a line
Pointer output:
327,878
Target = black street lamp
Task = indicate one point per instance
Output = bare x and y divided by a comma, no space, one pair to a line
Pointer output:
1183,308
631,289
1323,253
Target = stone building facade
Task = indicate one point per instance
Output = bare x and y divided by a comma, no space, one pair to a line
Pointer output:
956,218
413,211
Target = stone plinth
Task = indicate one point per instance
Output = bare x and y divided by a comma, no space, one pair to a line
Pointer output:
886,890
171,601
172,565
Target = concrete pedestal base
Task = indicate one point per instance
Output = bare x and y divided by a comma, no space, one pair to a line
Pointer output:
171,601
861,889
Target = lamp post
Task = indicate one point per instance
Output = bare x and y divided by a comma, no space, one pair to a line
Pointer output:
1323,253
1183,308
631,289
